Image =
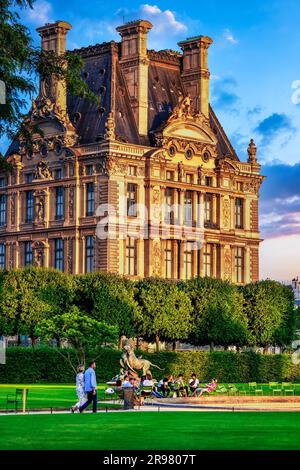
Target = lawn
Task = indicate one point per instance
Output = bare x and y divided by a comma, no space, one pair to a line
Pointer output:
61,396
152,430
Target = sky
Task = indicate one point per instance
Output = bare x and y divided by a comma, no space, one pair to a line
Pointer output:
255,88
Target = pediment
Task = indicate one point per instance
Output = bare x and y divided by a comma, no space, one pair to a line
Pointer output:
191,130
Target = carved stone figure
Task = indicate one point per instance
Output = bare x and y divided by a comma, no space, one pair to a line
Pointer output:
182,110
180,171
132,364
226,213
42,171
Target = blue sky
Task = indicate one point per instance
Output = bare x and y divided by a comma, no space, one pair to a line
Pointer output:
255,87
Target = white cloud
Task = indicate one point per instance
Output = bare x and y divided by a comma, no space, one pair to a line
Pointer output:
228,35
40,14
163,21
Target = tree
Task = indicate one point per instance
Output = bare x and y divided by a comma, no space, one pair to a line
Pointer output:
166,311
269,306
218,313
20,65
81,332
110,298
29,295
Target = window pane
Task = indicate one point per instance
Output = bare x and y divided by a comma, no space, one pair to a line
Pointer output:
29,206
130,267
90,199
131,200
2,209
2,256
168,260
207,260
89,250
59,254
59,214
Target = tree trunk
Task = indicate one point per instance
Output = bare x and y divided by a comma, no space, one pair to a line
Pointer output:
174,346
265,350
137,342
33,340
157,343
120,343
19,340
212,346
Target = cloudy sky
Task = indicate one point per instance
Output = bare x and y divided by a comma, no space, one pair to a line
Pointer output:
255,88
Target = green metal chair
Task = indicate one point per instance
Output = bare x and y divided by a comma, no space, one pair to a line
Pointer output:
16,399
233,390
275,388
288,387
221,390
254,388
242,390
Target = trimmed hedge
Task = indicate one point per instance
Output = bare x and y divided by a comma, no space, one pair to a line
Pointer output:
28,365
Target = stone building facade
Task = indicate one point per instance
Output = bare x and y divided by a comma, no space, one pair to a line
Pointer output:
145,183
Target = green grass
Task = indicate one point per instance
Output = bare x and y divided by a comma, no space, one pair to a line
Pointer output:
44,396
61,396
152,430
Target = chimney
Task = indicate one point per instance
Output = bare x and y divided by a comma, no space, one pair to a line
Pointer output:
195,73
134,63
54,39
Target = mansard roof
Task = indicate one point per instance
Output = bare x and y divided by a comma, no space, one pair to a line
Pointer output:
103,73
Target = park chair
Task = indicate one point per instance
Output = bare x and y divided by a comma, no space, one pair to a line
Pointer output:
16,399
288,387
146,392
242,390
221,390
254,388
275,388
233,390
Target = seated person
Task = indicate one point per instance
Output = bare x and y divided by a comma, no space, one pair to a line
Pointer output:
163,387
193,383
147,381
180,388
211,387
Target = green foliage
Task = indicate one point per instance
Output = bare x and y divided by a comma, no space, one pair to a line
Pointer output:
217,312
29,295
166,311
21,64
28,365
269,307
80,331
110,298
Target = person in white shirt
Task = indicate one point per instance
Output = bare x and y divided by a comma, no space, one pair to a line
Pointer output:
193,383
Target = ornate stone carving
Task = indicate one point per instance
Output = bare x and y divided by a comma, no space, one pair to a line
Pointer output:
252,151
252,187
226,213
110,127
182,110
227,264
156,258
71,201
199,174
70,254
42,171
180,171
38,253
39,204
13,209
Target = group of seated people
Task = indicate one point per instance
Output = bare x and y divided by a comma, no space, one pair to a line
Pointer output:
166,387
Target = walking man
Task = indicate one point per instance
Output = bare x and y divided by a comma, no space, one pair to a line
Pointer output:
90,387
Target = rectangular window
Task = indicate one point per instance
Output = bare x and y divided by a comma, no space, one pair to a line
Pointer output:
89,170
28,253
90,199
132,170
131,200
89,254
189,178
169,213
2,209
59,254
239,186
208,208
2,256
207,260
188,207
208,181
29,206
239,213
59,207
29,178
170,175
239,264
130,268
188,260
2,182
168,260
58,174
